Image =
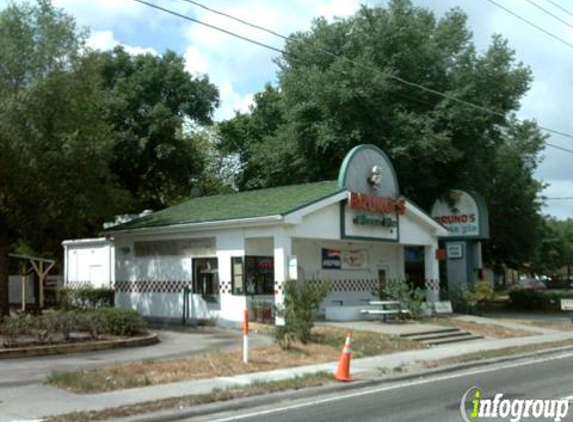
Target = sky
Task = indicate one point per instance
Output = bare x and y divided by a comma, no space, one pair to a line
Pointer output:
240,69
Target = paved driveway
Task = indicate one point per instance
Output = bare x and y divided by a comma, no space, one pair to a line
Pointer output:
175,343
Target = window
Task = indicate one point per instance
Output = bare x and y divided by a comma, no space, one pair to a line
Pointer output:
260,275
205,276
237,276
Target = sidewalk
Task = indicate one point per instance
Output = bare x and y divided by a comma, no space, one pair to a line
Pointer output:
35,401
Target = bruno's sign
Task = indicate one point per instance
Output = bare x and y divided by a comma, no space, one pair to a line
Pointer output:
371,205
464,214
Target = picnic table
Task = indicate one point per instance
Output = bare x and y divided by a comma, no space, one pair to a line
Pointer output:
385,308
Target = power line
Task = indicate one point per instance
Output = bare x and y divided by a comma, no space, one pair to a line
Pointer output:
558,147
208,25
544,10
563,198
560,7
329,53
530,23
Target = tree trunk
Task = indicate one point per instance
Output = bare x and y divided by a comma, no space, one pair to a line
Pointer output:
4,273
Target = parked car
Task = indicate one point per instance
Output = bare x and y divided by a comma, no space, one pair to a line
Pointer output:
531,284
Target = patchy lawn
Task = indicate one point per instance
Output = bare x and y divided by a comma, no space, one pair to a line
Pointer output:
257,388
326,346
552,325
485,330
489,354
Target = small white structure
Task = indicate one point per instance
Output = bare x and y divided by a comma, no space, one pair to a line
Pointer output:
89,262
211,257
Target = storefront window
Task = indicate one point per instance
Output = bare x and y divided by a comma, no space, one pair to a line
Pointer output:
259,275
205,276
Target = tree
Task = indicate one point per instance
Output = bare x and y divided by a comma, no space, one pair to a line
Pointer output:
149,100
555,257
338,87
54,180
512,193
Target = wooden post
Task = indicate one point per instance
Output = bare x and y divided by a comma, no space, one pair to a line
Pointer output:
24,282
41,281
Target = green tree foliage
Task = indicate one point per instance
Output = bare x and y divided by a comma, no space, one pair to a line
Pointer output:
325,104
555,257
516,224
54,180
149,100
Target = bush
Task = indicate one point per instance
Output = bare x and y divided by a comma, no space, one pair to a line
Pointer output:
538,299
49,326
122,321
409,297
301,302
467,300
14,327
85,298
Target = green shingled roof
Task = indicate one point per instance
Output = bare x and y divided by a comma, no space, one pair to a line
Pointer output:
248,204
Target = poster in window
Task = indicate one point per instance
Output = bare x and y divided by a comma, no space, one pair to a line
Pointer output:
353,260
331,259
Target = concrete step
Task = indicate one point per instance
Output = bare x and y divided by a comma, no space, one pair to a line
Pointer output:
449,340
438,336
430,332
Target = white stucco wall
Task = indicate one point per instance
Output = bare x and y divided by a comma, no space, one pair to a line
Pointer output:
89,260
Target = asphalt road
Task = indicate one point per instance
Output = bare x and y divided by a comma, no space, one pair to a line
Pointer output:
424,399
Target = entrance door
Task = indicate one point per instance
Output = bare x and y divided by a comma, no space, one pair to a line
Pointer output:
415,268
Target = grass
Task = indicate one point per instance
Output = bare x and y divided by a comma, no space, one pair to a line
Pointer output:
489,354
482,329
325,346
552,325
256,388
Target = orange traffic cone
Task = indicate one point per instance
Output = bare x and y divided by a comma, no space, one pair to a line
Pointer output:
343,371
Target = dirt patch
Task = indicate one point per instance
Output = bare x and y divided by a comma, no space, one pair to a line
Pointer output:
485,330
552,325
325,347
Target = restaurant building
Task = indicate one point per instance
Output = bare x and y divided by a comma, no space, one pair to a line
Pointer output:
210,257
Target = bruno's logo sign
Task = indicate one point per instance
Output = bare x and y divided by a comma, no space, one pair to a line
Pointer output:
474,407
362,202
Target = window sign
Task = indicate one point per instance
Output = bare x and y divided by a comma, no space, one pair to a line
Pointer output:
238,278
331,259
293,267
455,250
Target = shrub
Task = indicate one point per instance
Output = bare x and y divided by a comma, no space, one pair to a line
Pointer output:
301,302
483,292
85,298
45,328
14,327
538,299
409,297
122,321
467,300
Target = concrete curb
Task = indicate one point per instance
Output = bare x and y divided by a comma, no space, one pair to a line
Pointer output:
57,349
255,401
